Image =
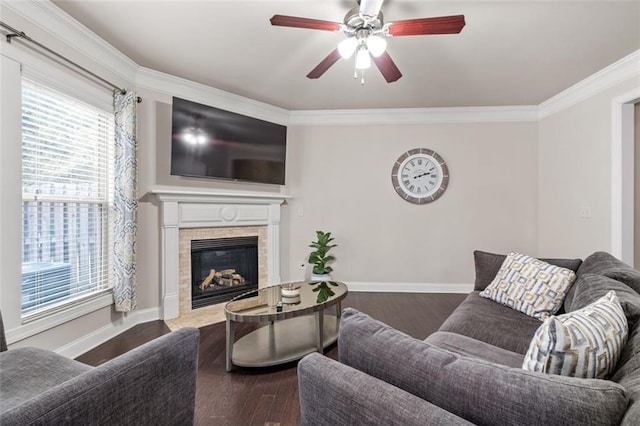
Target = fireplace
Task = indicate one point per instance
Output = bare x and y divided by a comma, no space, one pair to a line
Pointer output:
187,215
222,268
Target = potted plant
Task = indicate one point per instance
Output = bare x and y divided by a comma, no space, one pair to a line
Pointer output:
320,256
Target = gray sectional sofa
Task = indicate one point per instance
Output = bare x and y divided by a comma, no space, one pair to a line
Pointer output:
470,371
153,384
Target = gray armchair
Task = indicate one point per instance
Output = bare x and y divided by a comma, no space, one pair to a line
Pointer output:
152,384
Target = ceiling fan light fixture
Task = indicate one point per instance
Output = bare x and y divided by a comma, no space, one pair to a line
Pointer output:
376,45
363,60
347,47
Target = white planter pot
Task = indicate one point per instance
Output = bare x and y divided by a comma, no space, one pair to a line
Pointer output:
323,277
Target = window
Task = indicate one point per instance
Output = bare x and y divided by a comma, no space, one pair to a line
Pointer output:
67,199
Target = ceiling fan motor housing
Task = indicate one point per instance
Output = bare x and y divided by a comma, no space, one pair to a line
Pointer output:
353,22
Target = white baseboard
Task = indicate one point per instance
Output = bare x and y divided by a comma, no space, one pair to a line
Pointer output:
101,335
409,287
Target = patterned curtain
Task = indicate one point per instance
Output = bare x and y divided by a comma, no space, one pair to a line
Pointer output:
125,199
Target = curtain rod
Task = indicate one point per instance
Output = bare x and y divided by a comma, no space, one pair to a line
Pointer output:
22,35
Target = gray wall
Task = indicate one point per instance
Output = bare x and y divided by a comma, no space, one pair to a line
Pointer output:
575,171
340,177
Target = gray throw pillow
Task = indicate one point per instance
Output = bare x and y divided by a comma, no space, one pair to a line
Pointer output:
488,264
479,391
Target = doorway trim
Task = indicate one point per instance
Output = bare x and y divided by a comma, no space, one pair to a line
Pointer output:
622,175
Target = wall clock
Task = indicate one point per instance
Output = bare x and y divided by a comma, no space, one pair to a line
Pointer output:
420,176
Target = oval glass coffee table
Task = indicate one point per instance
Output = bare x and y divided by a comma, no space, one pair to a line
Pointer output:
301,327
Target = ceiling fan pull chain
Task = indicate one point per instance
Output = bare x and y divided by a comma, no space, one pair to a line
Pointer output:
362,77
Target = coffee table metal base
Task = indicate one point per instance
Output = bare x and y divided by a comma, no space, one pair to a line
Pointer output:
283,341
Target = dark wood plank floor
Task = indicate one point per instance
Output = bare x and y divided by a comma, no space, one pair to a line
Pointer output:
269,396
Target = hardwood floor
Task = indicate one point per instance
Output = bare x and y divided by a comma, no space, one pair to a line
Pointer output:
269,396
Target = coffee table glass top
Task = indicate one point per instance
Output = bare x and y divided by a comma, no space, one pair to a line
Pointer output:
260,305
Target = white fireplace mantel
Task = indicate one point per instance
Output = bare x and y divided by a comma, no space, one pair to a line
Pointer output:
187,208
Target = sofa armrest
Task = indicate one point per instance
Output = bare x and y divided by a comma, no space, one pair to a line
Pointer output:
152,384
476,390
335,394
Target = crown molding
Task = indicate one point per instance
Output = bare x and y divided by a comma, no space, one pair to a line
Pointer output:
413,115
63,27
171,85
59,24
624,69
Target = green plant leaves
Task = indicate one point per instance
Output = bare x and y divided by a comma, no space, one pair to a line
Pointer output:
323,290
319,257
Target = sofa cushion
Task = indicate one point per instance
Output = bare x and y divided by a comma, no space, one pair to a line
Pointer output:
466,346
602,263
27,372
479,391
584,343
331,393
627,276
627,374
599,262
487,321
488,264
589,288
530,285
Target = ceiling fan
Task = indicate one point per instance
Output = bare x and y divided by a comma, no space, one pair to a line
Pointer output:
364,25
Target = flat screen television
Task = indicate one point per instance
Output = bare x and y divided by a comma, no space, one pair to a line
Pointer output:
214,143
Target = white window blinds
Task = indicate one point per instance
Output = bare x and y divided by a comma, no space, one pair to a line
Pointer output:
67,193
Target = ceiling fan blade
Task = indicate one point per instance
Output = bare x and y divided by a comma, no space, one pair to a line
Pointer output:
387,67
439,25
370,8
314,24
325,64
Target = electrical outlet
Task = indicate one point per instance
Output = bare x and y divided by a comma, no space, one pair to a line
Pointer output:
585,212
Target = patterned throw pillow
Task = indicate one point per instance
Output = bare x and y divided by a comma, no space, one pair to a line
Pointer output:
585,343
529,285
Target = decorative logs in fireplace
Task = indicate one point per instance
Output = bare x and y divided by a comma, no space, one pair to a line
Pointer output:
222,268
223,278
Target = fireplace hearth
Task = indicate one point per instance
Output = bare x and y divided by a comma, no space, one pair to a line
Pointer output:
222,268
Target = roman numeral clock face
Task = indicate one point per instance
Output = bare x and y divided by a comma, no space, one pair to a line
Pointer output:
420,176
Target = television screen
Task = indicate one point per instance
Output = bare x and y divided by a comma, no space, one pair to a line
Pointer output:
214,143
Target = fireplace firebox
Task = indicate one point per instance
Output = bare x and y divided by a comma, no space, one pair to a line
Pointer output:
222,268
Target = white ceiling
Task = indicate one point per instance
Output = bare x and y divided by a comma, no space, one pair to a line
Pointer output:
509,53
